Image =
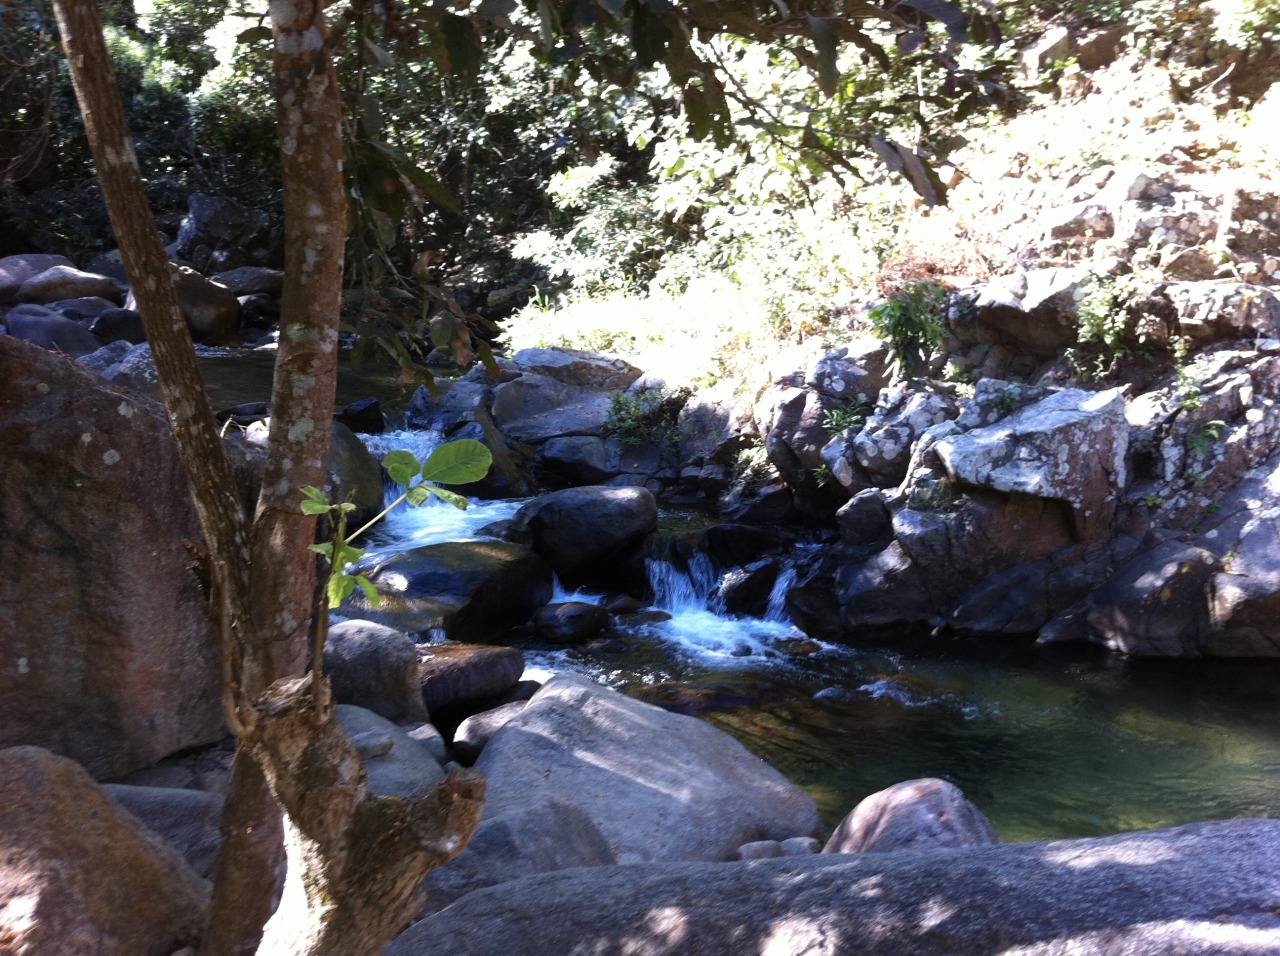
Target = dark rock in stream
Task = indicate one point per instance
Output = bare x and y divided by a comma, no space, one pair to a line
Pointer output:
571,622
472,590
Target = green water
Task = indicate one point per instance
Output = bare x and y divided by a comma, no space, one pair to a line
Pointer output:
1048,743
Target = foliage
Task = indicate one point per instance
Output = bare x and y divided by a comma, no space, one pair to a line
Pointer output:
910,323
1187,387
844,417
1201,440
645,415
456,463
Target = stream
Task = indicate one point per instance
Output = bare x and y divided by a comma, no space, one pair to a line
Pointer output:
1048,742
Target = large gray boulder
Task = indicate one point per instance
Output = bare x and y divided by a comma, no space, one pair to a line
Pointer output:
15,270
470,590
458,675
52,331
586,533
928,814
575,367
903,413
660,786
1069,447
1206,889
212,311
81,876
110,655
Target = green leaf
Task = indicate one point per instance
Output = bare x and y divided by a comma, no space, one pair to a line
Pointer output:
326,549
346,507
348,555
402,467
310,507
315,494
340,588
457,463
370,592
418,495
451,497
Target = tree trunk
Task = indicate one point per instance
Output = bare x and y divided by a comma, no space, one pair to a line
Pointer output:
356,861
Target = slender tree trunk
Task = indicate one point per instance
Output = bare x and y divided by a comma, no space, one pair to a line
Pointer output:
356,860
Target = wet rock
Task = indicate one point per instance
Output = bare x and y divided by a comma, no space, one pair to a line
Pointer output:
83,877
455,675
575,460
375,667
472,590
354,475
1206,889
364,416
746,590
572,622
915,815
587,533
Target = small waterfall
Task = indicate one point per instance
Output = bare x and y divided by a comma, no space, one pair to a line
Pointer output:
677,590
777,609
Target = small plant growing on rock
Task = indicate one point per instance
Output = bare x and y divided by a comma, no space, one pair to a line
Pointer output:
846,416
1199,442
910,323
646,414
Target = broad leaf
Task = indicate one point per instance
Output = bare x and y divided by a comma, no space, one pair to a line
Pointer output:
340,588
457,463
310,507
450,497
402,467
418,495
326,548
370,592
315,494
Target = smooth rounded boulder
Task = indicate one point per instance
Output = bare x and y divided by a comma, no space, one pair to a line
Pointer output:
375,667
912,815
586,533
81,876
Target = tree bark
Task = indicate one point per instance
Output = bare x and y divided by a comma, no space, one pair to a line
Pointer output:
356,860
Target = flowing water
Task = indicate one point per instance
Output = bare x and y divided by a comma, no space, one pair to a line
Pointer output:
1048,742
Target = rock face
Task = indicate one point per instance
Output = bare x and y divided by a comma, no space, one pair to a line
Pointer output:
455,675
397,764
622,781
472,590
187,819
914,815
1207,889
82,876
1070,447
109,654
